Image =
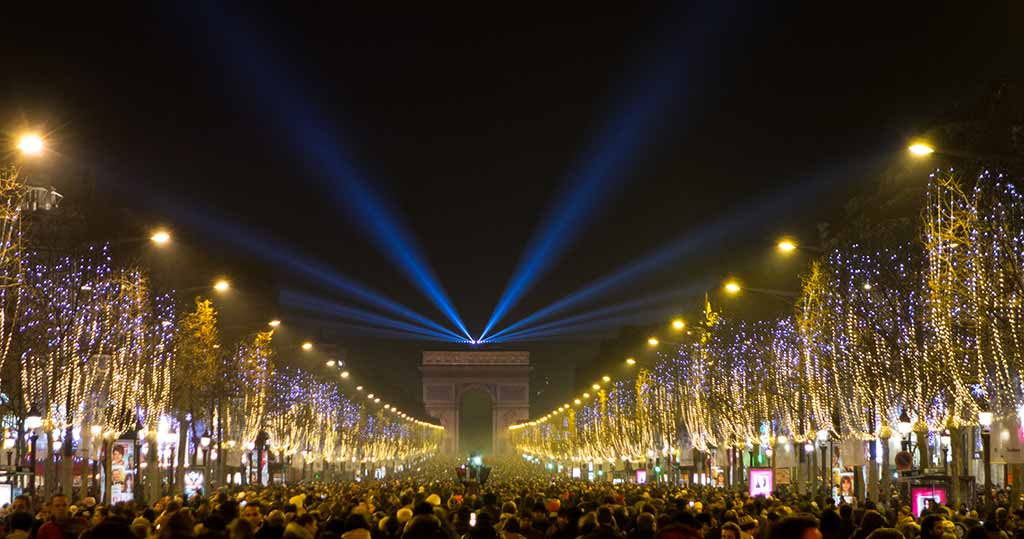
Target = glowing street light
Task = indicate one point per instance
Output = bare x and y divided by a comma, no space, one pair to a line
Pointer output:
630,361
786,246
331,363
359,388
732,287
31,144
653,341
678,324
606,378
160,237
595,387
222,285
274,323
307,346
921,149
344,374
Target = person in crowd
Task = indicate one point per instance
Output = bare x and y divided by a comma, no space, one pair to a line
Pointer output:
19,524
515,503
797,527
61,524
273,526
731,530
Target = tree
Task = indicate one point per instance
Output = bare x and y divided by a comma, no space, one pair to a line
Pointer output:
197,380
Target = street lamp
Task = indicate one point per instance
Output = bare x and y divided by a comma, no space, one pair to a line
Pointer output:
9,445
945,439
31,144
222,285
274,323
678,324
160,237
786,246
630,361
32,422
204,442
904,427
823,438
307,346
921,149
653,341
732,287
985,420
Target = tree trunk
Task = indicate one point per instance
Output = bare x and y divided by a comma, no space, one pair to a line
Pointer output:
1015,478
179,472
956,445
108,479
153,476
221,478
886,473
67,465
873,471
49,472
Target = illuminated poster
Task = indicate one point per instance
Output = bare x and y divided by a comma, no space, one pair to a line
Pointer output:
921,497
195,481
761,482
846,486
641,476
122,466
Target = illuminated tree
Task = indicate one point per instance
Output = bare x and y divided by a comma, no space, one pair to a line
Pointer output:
196,380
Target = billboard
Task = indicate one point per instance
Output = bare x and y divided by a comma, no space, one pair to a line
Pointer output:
761,482
920,497
122,471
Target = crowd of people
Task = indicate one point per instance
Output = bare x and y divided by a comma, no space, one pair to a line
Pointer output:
429,502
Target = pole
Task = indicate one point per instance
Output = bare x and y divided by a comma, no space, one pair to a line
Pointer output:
32,461
986,448
824,466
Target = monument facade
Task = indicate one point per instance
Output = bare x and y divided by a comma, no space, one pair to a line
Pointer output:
503,375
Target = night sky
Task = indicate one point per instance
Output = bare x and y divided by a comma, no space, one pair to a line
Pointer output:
724,125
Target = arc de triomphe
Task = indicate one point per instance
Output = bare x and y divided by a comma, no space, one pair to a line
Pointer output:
503,375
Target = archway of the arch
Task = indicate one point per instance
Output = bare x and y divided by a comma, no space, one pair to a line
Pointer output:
495,383
476,422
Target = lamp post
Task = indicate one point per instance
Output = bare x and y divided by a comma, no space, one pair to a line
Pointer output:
204,442
905,427
32,422
9,446
261,444
985,420
825,464
57,464
944,441
249,447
